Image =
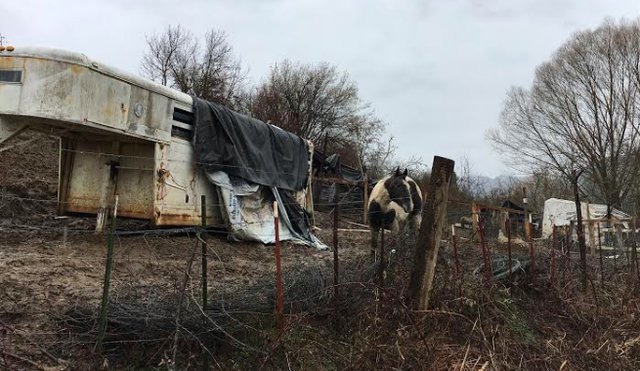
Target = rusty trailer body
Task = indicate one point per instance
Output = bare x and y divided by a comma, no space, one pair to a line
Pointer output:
120,134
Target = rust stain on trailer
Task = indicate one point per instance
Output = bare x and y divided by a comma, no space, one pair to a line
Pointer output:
175,219
124,212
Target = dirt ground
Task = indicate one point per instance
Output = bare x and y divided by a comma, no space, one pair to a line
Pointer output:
42,275
44,279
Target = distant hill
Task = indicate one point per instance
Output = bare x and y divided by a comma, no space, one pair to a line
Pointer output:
485,184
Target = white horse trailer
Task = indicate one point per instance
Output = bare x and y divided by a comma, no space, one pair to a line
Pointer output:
120,134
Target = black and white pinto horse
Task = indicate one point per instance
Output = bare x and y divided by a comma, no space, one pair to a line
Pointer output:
395,204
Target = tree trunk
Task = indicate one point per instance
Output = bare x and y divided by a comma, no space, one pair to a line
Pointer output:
580,232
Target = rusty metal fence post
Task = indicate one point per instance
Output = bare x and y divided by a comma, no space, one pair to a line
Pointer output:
508,228
102,319
336,280
203,212
382,256
458,277
532,253
485,252
205,284
279,294
553,254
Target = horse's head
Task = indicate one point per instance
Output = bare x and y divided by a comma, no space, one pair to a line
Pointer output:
399,190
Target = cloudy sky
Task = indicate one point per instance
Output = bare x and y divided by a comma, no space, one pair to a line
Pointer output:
435,70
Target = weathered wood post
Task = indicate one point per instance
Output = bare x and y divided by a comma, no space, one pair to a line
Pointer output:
582,248
615,246
591,231
102,319
109,185
527,231
600,252
433,215
527,225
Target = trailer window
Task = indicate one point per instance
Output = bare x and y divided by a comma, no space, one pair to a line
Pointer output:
11,76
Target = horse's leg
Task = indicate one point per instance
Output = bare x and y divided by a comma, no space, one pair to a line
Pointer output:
416,222
395,226
374,242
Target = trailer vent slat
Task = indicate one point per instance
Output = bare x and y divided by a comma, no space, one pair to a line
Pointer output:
11,76
183,116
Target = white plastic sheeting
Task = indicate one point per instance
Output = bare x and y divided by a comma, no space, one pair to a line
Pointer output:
561,212
249,214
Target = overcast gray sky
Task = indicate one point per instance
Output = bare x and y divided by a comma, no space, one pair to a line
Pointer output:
436,71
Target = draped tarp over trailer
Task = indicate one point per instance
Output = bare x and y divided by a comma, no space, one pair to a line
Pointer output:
127,136
253,164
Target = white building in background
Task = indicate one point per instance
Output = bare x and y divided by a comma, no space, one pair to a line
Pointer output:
562,212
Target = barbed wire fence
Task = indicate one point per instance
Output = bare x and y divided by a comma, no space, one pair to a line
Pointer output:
167,319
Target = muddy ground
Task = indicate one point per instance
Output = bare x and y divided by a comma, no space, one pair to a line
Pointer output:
50,290
44,274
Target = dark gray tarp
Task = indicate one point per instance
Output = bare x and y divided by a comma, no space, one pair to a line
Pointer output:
226,142
242,146
333,166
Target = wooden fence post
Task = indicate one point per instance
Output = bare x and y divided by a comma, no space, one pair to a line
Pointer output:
615,247
582,248
591,231
434,216
600,252
102,319
527,225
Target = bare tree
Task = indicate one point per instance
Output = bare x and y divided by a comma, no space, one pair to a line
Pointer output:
321,104
208,70
581,113
309,100
470,185
162,52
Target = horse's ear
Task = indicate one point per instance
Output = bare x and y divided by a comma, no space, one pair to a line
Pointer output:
397,171
406,172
